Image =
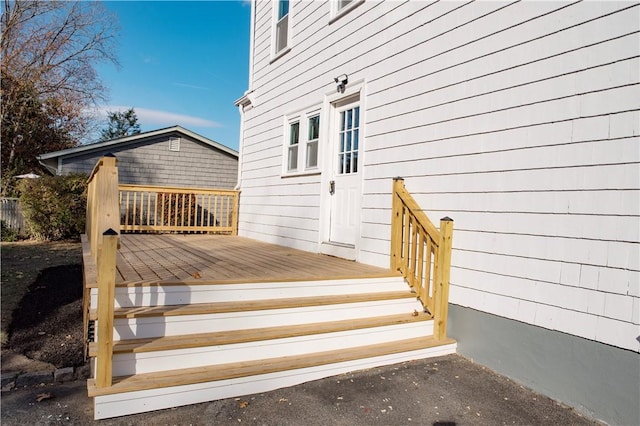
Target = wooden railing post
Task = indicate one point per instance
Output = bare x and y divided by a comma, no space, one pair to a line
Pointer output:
106,297
103,206
235,213
396,224
441,285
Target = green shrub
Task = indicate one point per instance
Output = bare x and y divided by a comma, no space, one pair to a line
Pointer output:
55,206
8,234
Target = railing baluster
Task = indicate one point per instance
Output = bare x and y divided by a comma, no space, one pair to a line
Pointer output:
422,291
181,209
215,210
414,247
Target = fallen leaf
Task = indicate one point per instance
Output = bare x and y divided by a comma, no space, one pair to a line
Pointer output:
196,275
281,400
42,396
243,404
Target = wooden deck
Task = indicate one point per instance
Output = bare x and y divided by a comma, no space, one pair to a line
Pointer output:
154,258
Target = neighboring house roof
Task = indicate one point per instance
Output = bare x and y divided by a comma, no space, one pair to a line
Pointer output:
136,138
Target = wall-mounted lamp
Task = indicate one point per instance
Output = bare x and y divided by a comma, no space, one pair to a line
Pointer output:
341,81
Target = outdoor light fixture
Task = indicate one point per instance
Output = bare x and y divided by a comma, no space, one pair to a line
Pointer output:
342,81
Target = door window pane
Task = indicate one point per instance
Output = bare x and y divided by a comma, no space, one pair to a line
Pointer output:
349,135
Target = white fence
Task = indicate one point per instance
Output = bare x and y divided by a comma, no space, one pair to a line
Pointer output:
11,213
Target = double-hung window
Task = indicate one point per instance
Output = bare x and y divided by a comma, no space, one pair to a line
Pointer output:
281,38
302,141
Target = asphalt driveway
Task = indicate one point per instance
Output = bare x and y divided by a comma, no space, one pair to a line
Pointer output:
448,390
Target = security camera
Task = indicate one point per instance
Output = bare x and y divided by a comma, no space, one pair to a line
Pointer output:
342,81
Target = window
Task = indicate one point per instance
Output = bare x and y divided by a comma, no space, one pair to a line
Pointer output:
294,137
282,26
349,135
343,3
302,141
312,141
340,8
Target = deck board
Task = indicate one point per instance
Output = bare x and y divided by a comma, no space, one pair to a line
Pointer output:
175,257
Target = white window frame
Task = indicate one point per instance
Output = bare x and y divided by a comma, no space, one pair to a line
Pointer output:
275,53
292,148
302,117
338,12
309,142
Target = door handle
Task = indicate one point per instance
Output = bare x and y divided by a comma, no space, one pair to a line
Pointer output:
332,187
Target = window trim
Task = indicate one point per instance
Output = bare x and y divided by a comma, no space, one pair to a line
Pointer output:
276,54
302,117
336,13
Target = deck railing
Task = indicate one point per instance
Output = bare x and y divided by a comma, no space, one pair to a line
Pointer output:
111,208
177,209
422,254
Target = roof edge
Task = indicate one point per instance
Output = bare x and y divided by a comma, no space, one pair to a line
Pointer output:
139,136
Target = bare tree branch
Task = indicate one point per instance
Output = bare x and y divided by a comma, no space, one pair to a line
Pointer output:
49,53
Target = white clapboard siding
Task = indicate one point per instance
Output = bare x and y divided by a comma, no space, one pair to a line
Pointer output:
520,120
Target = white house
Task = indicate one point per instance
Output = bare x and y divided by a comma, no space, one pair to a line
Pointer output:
520,120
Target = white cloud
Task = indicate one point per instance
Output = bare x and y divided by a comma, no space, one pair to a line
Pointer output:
156,118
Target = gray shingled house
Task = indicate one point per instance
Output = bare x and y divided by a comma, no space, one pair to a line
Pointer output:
173,156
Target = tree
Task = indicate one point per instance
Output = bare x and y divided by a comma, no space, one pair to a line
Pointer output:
121,124
49,82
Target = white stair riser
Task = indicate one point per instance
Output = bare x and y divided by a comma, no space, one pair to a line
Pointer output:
125,328
185,294
127,364
156,399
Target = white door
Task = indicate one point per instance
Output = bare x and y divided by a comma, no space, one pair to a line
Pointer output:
344,187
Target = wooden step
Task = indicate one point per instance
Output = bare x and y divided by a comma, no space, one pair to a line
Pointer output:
199,281
253,305
253,335
180,377
215,292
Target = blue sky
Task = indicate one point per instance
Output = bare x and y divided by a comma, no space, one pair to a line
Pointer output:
181,63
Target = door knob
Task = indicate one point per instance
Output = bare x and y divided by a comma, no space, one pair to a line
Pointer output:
332,187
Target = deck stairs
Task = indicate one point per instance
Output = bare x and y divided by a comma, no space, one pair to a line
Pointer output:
185,342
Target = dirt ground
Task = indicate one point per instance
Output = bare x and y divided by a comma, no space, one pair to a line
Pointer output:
41,305
42,324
